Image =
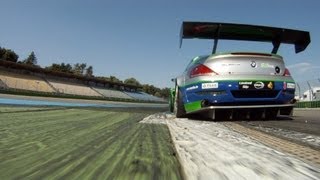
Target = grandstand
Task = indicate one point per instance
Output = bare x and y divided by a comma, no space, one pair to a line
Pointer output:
41,83
73,88
3,85
143,96
110,93
24,82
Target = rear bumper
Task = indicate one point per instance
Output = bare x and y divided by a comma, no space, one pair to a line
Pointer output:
276,106
205,96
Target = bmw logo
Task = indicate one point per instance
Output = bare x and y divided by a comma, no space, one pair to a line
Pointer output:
253,64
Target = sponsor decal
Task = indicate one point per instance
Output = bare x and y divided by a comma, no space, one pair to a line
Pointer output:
258,85
253,64
192,88
245,83
284,85
209,85
291,85
245,87
231,64
266,65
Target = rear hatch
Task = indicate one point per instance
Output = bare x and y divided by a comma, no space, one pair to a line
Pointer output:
244,63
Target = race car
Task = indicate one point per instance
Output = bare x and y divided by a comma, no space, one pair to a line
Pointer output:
237,84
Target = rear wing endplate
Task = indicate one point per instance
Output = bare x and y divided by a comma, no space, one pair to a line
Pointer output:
228,31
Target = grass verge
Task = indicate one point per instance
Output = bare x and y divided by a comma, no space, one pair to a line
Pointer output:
83,144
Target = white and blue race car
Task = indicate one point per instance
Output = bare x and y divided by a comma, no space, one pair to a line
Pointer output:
237,84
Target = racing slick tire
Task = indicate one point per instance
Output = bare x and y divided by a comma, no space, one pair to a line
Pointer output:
179,110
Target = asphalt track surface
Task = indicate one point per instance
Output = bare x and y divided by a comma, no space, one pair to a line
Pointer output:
303,128
303,120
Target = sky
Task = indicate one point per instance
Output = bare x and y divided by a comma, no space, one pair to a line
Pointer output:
140,38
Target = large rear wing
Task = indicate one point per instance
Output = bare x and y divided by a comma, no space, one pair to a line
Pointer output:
227,31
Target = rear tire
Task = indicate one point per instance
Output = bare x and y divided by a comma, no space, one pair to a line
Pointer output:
179,110
171,108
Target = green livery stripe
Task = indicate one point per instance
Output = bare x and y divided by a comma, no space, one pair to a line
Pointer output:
193,106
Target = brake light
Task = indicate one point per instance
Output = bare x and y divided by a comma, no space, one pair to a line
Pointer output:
286,72
201,70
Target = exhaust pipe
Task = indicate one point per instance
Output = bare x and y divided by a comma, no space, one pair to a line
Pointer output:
205,103
293,101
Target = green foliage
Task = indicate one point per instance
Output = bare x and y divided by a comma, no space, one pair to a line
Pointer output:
66,68
2,52
79,68
31,59
308,104
150,89
165,93
132,81
8,55
89,71
115,79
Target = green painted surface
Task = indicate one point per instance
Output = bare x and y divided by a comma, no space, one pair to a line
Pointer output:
83,144
309,104
193,106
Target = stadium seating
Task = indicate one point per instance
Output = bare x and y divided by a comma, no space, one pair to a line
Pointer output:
143,96
24,82
3,85
13,80
112,93
68,87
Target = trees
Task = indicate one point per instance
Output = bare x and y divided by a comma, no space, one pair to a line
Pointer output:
89,72
164,93
78,68
2,51
31,59
132,81
115,79
81,69
8,55
66,68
